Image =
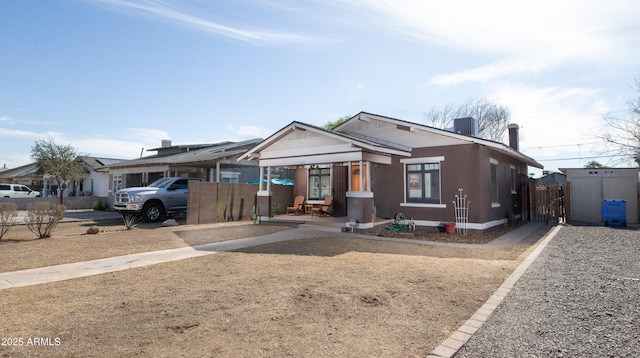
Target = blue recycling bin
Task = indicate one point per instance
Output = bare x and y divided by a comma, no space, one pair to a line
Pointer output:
614,212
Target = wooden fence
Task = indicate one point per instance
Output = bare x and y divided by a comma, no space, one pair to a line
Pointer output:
547,203
220,202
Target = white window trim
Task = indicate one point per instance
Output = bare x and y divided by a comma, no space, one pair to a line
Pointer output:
421,160
308,167
417,205
514,190
493,203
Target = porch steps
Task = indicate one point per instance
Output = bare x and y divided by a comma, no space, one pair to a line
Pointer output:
332,224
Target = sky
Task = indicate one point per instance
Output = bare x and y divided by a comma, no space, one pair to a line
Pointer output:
113,78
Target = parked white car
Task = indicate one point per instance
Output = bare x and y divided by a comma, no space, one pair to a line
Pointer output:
17,191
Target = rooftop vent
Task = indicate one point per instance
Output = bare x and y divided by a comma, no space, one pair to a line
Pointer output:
466,126
166,143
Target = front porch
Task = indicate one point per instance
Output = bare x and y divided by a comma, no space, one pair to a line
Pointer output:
327,164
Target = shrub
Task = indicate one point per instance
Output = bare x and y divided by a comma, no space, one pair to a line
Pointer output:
278,209
131,220
42,218
100,206
8,214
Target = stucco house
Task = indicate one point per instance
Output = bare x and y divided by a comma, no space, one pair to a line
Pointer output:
377,166
94,183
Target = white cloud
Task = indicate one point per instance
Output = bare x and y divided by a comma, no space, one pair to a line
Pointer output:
131,144
527,36
17,133
168,12
147,135
555,123
252,131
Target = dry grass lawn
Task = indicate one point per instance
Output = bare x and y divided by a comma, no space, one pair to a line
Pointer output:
338,297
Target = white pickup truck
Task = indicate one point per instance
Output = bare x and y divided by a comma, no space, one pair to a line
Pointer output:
153,202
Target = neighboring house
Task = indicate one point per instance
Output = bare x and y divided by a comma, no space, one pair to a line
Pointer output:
376,165
590,186
95,182
212,162
25,175
552,178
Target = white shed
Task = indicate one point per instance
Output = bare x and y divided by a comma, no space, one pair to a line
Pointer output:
590,186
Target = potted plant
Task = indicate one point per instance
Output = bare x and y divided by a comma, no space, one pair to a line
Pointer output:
449,227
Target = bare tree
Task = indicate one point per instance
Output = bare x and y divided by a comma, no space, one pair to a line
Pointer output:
622,134
57,161
492,118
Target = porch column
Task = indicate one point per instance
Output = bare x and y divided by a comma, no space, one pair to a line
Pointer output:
263,205
43,193
211,175
261,178
360,203
361,177
217,172
350,177
269,180
368,181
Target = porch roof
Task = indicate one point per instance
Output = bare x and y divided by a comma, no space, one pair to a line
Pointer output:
303,144
203,156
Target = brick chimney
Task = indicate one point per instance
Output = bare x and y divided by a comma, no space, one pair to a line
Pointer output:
514,137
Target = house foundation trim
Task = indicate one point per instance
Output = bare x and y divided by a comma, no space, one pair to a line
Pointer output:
470,226
360,194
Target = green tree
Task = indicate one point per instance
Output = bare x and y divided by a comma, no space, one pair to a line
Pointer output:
594,164
492,118
622,134
59,162
332,125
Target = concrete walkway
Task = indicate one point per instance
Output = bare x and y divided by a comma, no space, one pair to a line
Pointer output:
95,267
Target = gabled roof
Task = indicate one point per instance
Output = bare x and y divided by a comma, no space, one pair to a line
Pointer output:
21,171
378,142
190,147
94,163
98,163
413,127
353,141
208,153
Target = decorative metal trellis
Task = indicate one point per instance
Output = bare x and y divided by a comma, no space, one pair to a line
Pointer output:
461,207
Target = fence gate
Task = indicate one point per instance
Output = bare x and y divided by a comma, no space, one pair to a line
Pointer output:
545,202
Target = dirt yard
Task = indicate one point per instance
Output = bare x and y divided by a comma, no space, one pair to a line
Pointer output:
314,297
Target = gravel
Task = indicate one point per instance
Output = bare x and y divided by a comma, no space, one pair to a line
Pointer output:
579,298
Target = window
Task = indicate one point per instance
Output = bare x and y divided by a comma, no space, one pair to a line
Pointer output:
423,183
495,198
117,182
319,183
513,180
230,177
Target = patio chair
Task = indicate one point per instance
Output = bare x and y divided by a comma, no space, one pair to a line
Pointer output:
325,208
297,206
